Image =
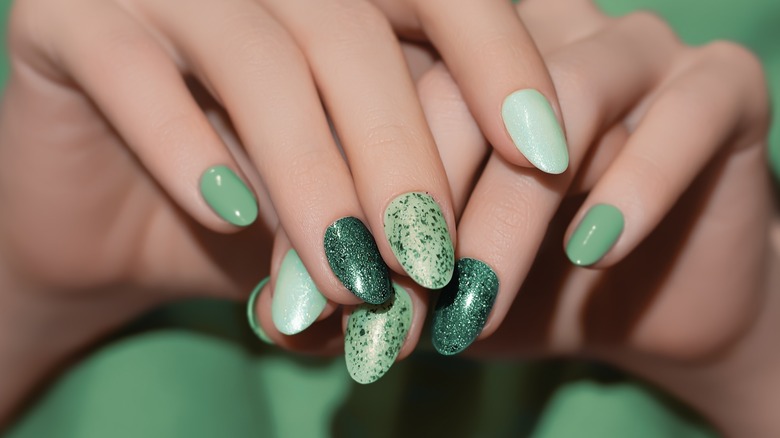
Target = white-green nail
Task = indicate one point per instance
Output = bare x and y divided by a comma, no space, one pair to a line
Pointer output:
418,235
375,335
297,302
531,122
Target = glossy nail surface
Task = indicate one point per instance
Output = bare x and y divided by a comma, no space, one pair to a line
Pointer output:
533,127
228,196
375,335
251,312
595,235
418,235
297,302
355,260
464,306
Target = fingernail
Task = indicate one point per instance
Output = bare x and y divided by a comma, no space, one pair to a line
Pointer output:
251,313
355,260
595,235
375,335
463,306
420,240
297,302
228,196
533,127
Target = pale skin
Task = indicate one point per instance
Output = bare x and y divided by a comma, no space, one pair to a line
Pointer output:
68,263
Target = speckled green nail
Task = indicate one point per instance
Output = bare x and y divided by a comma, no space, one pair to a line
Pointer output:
251,313
463,306
375,335
595,235
420,240
228,196
354,258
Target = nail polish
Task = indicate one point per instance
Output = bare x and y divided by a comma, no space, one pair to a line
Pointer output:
297,302
595,235
228,196
251,313
418,235
531,123
375,335
464,306
355,260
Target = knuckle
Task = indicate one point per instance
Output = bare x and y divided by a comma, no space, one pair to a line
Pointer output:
651,24
387,130
350,21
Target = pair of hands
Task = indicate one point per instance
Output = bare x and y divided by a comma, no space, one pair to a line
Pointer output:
103,147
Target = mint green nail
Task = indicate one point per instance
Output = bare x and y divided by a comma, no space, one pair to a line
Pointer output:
251,314
228,196
297,302
533,127
595,235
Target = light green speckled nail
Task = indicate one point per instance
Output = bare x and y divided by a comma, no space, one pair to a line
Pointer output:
533,127
595,235
297,302
251,312
420,239
375,335
228,196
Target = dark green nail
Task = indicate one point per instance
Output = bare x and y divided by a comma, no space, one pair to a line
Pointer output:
354,258
595,235
463,306
228,196
251,313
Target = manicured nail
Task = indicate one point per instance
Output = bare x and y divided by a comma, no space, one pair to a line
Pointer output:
375,335
463,306
297,302
228,196
595,235
251,313
354,258
533,127
420,240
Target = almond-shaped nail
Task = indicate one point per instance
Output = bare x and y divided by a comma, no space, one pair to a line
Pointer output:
531,123
355,260
228,196
418,235
297,302
251,312
595,235
375,335
464,306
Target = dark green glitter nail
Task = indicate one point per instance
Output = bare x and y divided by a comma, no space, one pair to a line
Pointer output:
354,258
464,306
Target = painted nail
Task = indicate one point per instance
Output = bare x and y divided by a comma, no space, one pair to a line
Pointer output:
595,235
463,306
251,313
354,258
533,127
228,196
420,240
297,302
375,335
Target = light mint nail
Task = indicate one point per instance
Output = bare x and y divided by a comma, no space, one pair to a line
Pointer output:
595,235
375,335
419,237
533,127
297,302
251,312
228,196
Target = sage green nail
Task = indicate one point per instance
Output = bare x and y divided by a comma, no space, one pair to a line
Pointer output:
464,306
251,313
228,196
595,235
530,120
355,260
297,302
418,235
375,335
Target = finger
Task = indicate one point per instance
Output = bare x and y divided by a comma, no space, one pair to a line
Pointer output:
367,89
140,90
686,125
262,79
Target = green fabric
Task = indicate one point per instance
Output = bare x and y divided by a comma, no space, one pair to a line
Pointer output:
196,371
